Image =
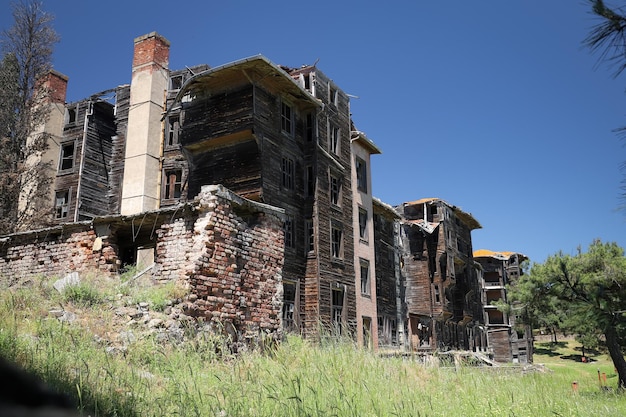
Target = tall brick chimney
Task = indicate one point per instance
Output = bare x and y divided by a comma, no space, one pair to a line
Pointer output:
143,139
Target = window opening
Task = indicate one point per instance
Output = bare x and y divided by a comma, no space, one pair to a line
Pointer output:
290,300
286,118
61,204
362,223
337,308
287,170
335,190
365,277
336,241
67,156
310,237
310,181
174,127
310,127
289,233
173,184
334,139
361,175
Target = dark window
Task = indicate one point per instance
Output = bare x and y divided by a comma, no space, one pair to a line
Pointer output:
361,175
337,308
67,156
310,127
173,184
335,138
365,277
310,236
287,170
335,190
288,229
61,204
71,115
437,295
176,82
173,130
332,95
336,243
290,305
310,181
286,119
362,223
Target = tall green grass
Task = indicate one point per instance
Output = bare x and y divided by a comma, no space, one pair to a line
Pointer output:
295,378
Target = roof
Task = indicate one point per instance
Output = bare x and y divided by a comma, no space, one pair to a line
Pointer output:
253,70
486,253
364,141
467,218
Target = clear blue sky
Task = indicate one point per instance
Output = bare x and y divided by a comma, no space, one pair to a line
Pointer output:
491,105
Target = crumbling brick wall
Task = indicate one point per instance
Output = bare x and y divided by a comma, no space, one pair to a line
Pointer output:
236,272
54,252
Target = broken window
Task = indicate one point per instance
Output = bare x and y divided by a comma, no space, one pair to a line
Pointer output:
365,277
335,190
61,204
437,295
334,139
290,305
287,169
310,127
361,175
362,223
367,331
310,181
337,307
173,130
286,118
70,115
336,242
309,244
67,156
332,95
289,232
176,82
173,184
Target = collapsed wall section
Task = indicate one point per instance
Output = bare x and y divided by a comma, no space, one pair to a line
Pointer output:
229,251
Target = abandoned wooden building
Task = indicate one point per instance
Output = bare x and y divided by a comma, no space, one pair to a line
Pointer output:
278,137
509,341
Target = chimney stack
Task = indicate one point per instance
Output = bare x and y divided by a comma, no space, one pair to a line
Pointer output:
149,83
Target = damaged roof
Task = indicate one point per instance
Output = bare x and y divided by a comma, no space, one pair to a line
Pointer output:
504,256
256,70
467,218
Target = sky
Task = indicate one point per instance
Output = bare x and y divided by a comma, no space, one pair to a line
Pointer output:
493,106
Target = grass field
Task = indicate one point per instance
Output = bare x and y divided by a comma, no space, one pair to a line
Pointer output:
151,376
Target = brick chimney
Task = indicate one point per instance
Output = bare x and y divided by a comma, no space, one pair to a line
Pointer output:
56,84
149,83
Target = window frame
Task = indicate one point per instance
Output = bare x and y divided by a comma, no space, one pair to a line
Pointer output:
309,236
336,240
363,223
170,187
361,174
335,186
173,131
334,139
287,173
63,157
287,118
58,208
289,233
366,281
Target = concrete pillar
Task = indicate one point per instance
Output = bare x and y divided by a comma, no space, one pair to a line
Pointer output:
142,170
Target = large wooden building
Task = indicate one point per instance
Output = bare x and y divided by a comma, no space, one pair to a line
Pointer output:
399,277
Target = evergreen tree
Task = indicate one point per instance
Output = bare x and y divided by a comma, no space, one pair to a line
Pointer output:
588,292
